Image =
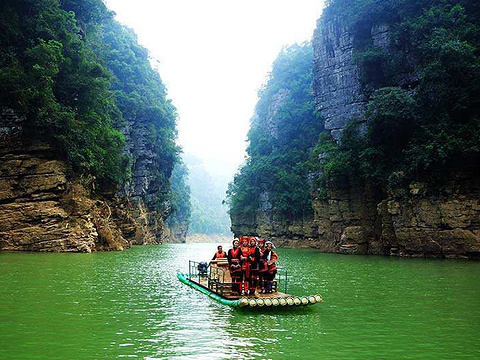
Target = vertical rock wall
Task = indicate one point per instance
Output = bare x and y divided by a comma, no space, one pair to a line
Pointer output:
337,86
176,233
271,224
143,188
355,218
39,209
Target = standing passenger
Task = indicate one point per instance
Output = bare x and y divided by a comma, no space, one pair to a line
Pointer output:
254,261
235,268
246,264
262,265
271,257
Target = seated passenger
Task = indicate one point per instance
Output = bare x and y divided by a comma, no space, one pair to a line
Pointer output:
220,254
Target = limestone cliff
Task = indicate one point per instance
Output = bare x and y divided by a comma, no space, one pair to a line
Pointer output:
42,208
74,79
176,233
143,188
355,217
270,194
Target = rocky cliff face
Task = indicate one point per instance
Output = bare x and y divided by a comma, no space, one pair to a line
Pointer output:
356,218
141,191
339,94
41,209
176,233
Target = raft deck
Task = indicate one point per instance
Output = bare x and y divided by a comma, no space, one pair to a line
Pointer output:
225,289
214,280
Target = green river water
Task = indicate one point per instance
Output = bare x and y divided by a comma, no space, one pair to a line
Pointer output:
130,304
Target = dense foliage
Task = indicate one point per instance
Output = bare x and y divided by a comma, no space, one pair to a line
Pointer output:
283,131
80,78
424,99
48,72
180,197
141,97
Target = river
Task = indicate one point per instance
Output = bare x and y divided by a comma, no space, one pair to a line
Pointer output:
130,305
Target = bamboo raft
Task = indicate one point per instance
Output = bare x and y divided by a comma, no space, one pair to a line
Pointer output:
215,282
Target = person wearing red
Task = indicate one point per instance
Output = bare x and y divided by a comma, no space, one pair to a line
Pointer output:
270,257
234,264
220,254
254,262
246,264
262,265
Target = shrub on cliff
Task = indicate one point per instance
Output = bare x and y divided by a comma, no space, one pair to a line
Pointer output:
78,75
180,197
48,72
427,119
282,132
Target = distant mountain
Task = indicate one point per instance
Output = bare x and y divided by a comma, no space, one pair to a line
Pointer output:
209,216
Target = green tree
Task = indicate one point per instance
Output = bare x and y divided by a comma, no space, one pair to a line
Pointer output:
180,196
281,136
417,130
49,73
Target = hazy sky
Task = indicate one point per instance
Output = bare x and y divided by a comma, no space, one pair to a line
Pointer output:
213,56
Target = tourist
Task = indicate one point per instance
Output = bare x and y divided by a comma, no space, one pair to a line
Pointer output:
262,265
270,257
233,257
246,264
220,254
254,263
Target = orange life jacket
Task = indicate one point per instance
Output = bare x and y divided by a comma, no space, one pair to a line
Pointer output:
245,252
220,255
